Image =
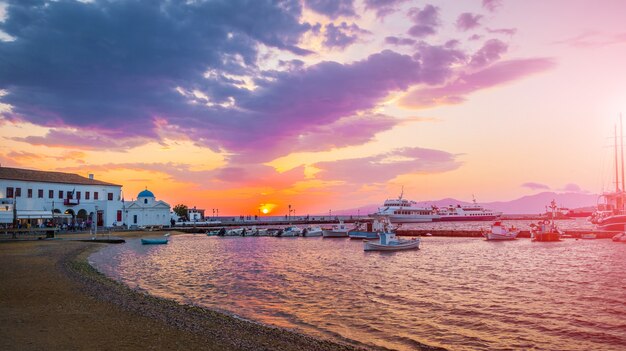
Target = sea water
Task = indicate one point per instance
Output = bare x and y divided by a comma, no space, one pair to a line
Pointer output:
457,293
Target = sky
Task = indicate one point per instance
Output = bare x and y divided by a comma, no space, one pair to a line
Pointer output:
320,105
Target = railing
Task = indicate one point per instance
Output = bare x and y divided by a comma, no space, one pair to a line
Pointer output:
71,202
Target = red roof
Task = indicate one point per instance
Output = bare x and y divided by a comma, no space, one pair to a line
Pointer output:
31,175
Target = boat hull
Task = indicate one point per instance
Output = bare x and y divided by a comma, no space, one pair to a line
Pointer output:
543,237
362,235
153,241
508,236
409,245
465,218
312,234
334,234
612,223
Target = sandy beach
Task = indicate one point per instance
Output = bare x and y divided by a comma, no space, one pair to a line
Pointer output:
51,298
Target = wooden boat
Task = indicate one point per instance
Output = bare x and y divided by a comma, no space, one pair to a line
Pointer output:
369,229
546,230
290,232
389,242
312,231
500,232
155,241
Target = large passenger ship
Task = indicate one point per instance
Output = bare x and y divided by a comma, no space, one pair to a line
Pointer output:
404,211
474,212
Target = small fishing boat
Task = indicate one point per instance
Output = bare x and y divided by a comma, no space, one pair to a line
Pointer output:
290,232
155,241
312,231
369,229
389,242
546,230
500,232
338,231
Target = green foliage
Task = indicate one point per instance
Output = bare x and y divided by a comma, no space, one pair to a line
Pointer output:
181,210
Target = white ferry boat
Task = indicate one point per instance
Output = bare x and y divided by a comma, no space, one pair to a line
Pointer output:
404,211
472,212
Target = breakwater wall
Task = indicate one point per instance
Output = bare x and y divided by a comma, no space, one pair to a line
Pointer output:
477,233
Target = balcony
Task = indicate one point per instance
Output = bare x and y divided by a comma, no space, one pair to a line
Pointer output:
71,202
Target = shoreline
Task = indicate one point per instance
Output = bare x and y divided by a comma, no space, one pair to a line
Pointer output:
52,298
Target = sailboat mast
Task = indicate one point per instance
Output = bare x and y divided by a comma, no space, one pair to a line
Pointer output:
621,142
616,165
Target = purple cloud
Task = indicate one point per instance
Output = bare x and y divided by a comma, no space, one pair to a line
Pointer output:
505,31
491,51
437,61
467,21
492,5
454,92
594,39
383,7
474,37
399,41
573,188
425,21
84,139
535,186
384,167
332,8
343,35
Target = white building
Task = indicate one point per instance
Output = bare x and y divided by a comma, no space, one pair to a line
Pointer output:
40,196
146,211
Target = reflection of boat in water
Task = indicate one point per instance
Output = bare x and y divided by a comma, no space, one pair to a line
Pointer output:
389,242
500,232
401,210
369,229
546,230
338,231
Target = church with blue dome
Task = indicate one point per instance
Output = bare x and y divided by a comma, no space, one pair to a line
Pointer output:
147,211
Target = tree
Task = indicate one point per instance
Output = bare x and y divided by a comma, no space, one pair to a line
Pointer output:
181,210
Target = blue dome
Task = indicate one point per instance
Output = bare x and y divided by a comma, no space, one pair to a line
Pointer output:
145,193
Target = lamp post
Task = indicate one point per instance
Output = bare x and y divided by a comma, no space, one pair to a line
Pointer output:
95,230
290,212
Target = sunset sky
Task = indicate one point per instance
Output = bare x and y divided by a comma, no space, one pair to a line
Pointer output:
318,104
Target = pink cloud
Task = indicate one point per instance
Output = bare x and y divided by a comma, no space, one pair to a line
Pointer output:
505,31
384,167
535,186
491,51
86,139
425,21
455,91
492,5
594,39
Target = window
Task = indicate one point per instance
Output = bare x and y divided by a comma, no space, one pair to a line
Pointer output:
86,195
29,193
110,197
50,194
95,195
40,193
9,192
18,192
145,201
134,219
60,194
78,195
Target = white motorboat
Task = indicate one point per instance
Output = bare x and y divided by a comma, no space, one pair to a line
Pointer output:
312,231
370,229
389,242
500,232
290,232
338,231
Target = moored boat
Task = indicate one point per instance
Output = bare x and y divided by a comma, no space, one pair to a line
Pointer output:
389,242
401,210
155,241
474,212
312,231
498,231
338,231
369,229
290,232
621,237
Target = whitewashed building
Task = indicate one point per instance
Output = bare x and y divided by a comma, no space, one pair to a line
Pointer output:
38,197
146,211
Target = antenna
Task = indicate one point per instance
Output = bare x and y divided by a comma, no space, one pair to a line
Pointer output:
401,193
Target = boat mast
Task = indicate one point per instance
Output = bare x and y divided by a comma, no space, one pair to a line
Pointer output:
621,142
616,165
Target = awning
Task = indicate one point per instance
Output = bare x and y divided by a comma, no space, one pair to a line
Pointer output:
28,214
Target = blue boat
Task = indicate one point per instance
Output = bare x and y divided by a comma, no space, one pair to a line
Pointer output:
155,241
367,230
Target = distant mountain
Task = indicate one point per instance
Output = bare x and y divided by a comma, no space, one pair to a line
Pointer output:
531,204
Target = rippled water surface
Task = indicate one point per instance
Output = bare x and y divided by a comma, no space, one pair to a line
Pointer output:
457,293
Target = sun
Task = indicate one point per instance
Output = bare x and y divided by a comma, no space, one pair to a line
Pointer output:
265,211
